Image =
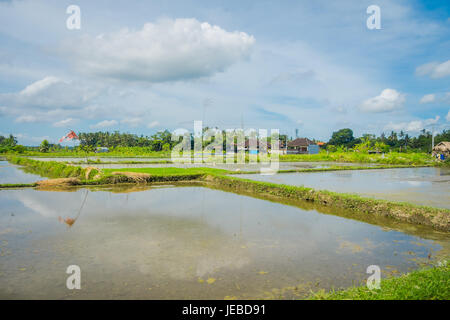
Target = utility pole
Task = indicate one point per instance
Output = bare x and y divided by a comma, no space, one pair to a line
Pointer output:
432,139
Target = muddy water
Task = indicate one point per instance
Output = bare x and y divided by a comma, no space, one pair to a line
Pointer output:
422,186
168,242
10,173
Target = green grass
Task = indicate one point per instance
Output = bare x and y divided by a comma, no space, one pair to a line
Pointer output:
120,153
52,169
17,185
170,171
388,158
98,161
426,284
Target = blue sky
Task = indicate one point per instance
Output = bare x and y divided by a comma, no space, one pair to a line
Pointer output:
142,66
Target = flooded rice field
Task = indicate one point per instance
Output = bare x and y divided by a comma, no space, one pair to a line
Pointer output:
109,164
423,186
104,159
180,242
10,173
233,167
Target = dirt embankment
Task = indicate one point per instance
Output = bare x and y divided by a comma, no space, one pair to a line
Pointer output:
63,182
137,177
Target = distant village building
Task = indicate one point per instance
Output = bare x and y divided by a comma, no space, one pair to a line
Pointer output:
442,150
251,146
253,143
302,146
320,144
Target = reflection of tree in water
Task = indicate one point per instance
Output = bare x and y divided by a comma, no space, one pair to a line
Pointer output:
160,246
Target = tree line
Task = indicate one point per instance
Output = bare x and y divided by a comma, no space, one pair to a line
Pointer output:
394,141
342,139
9,144
160,141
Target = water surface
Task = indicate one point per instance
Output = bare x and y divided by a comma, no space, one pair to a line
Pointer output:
423,186
233,167
283,165
191,242
10,173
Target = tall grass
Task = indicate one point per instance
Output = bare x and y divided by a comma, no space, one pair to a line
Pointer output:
387,158
52,169
426,284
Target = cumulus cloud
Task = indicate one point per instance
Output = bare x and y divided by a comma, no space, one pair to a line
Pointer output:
132,122
39,86
153,124
412,126
428,98
448,116
64,123
104,124
388,100
27,119
435,70
167,50
49,93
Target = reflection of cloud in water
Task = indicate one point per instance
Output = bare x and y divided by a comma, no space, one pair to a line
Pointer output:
416,183
34,202
157,246
157,242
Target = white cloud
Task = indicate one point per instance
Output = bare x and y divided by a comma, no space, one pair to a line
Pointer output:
104,124
435,70
428,98
39,86
153,124
132,122
167,50
448,116
27,119
412,126
388,100
64,123
49,93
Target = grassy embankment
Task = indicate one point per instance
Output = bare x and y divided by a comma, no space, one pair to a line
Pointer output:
132,152
54,169
426,284
92,176
17,185
99,161
417,159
